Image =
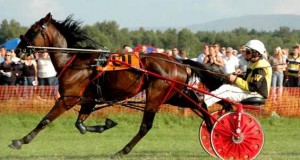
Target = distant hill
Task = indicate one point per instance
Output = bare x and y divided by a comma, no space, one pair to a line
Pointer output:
257,22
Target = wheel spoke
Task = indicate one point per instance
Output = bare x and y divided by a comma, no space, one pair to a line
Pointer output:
247,146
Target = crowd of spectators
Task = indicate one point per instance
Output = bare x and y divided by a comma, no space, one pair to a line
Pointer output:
29,70
38,69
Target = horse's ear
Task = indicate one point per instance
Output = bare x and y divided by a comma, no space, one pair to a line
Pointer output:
48,17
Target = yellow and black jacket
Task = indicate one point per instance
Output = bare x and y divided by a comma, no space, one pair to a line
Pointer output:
293,65
258,78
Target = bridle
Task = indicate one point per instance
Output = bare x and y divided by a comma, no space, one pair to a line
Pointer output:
28,38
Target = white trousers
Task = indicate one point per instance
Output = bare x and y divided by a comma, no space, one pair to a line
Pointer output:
231,92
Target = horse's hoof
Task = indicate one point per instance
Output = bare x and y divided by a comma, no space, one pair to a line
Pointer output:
117,155
110,123
16,144
80,127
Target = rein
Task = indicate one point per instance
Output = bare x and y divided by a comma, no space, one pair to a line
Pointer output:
102,46
166,60
221,75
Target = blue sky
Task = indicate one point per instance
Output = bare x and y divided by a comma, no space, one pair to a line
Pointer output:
142,13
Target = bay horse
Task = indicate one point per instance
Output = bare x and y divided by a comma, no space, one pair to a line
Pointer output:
79,82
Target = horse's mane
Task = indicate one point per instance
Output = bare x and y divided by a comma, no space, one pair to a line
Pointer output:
71,30
210,80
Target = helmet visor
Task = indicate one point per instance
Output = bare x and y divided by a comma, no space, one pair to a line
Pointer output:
250,51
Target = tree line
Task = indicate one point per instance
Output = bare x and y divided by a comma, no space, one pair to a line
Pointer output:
111,35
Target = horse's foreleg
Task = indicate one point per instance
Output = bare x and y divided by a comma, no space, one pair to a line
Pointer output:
55,112
144,128
84,113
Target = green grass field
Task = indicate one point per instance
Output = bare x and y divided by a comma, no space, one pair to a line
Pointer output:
172,137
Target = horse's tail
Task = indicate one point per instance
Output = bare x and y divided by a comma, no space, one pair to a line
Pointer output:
206,76
196,67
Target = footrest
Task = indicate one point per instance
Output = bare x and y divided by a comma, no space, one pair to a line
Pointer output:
254,101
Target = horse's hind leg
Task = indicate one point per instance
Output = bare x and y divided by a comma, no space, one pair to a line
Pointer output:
144,128
84,113
206,117
226,106
183,102
55,112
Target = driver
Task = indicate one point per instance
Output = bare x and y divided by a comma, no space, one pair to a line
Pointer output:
256,82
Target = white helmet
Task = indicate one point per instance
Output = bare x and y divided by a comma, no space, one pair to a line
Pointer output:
256,45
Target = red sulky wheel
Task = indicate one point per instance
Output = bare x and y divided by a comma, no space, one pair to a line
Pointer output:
226,146
204,135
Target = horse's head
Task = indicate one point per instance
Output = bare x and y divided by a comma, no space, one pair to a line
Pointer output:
37,35
48,32
34,36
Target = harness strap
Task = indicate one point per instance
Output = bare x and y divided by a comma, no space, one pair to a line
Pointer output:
139,80
172,84
84,87
143,75
142,69
66,65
